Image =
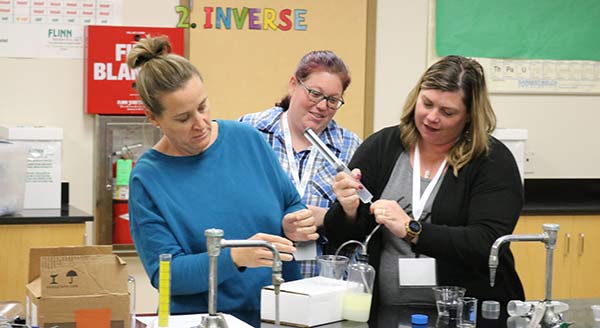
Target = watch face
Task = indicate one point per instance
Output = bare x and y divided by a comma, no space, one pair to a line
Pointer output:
414,226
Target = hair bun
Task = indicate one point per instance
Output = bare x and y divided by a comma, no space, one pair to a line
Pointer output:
148,49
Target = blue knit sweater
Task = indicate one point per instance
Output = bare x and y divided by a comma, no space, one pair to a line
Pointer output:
236,185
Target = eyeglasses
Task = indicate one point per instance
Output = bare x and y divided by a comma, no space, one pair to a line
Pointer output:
317,96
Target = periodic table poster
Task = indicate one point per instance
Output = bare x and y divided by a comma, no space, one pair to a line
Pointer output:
532,76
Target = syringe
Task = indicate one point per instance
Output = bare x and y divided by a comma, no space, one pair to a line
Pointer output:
364,194
164,290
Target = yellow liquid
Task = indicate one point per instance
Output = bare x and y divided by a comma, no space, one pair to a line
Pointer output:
356,306
164,293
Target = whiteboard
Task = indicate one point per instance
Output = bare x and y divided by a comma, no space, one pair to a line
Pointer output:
529,76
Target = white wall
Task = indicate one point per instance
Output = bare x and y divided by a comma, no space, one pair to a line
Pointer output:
400,56
50,92
562,128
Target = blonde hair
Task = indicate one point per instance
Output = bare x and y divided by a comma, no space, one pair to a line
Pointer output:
161,72
455,73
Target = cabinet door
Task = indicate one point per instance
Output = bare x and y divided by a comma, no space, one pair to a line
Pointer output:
585,256
530,257
15,242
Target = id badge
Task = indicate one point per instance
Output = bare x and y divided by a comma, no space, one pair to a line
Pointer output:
305,250
417,271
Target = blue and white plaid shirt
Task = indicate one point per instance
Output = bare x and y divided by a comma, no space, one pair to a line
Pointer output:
319,192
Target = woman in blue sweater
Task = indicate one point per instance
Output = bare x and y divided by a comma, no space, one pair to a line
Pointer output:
207,174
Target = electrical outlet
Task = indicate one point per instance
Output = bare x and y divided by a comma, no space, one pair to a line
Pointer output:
529,162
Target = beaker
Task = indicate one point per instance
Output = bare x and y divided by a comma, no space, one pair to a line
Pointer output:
332,266
467,312
446,300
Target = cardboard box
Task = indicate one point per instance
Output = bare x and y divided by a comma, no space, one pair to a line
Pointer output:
43,177
305,303
77,287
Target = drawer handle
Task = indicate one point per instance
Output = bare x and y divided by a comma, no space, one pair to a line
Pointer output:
567,244
581,242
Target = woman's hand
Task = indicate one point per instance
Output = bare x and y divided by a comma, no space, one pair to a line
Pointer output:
391,215
318,213
345,188
253,257
300,226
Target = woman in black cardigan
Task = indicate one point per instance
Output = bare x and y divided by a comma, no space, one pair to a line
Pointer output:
469,187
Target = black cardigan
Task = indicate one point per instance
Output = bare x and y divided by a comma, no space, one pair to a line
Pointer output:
468,214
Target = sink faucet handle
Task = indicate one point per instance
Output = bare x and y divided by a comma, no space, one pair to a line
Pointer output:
551,231
550,226
213,241
538,314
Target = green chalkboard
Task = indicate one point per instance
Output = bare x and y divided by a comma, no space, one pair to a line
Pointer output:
523,29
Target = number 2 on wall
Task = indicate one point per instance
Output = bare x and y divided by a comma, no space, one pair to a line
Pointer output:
183,17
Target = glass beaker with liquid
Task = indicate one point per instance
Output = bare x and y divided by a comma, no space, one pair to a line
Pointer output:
356,303
446,300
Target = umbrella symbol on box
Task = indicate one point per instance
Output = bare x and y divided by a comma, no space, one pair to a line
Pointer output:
71,274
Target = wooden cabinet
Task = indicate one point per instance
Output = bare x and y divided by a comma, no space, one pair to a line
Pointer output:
16,240
576,257
34,228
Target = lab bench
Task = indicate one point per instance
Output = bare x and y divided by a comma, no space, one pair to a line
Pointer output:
399,317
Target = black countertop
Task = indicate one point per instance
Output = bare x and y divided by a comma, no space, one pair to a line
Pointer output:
542,197
561,196
399,317
67,214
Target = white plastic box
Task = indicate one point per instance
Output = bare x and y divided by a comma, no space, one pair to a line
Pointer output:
515,140
43,177
305,303
13,165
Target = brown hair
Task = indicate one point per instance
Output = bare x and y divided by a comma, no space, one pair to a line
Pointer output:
455,73
160,71
319,61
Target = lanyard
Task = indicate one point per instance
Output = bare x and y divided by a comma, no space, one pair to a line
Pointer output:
289,150
418,201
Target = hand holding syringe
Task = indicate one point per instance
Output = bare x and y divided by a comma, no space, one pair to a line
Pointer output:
364,195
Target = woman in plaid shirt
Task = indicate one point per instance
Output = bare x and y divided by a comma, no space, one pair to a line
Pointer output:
315,94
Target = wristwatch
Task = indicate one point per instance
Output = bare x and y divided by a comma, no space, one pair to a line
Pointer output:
413,229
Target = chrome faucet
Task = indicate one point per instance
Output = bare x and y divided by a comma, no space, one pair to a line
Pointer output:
214,244
548,237
544,313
